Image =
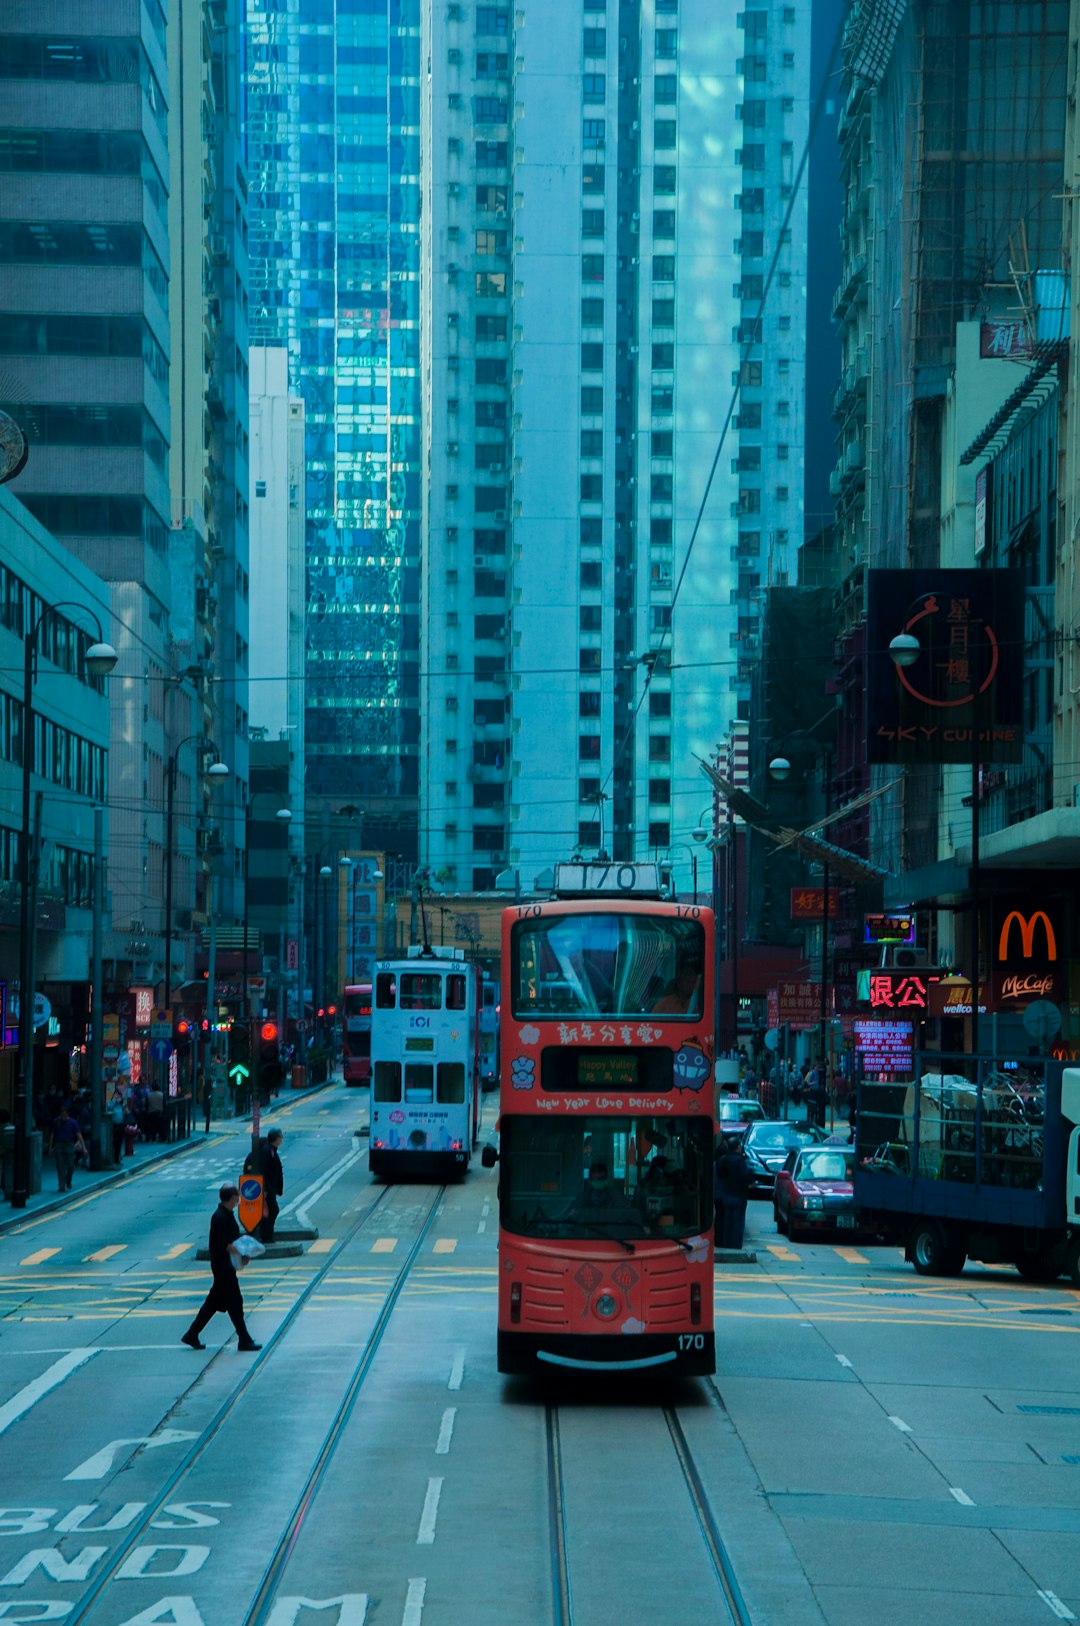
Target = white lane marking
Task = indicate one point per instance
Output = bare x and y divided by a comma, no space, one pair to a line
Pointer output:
97,1466
843,1360
1055,1605
53,1375
302,1197
898,1422
960,1496
457,1371
482,1226
425,1536
351,1609
486,1210
446,1432
299,1206
414,1602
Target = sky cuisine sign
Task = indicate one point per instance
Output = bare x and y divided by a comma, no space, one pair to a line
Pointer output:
1028,964
960,700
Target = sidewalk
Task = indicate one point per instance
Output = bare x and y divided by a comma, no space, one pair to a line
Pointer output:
145,1156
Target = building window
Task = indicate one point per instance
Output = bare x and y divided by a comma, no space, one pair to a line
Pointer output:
589,703
490,329
660,792
590,531
492,64
659,834
663,398
491,285
663,222
491,154
666,44
663,313
591,575
592,358
592,399
588,660
664,133
664,90
664,180
492,20
592,223
592,268
589,747
490,242
593,87
662,443
663,356
590,618
594,41
663,269
592,488
592,133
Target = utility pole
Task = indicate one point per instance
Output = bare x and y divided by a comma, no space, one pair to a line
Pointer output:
97,1000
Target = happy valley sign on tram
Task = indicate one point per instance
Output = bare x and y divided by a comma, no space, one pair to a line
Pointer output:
607,1045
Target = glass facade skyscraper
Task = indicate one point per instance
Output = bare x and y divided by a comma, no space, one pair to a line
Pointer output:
334,156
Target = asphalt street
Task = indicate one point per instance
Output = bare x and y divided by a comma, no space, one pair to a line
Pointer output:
876,1447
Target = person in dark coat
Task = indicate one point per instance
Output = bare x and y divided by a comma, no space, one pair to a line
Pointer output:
225,1263
273,1182
731,1188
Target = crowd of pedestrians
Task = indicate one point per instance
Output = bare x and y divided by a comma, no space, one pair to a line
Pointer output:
133,1112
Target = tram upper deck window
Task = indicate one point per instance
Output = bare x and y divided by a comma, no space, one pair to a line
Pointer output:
386,990
387,1081
456,992
421,991
608,965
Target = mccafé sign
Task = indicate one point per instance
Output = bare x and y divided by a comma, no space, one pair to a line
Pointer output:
1028,964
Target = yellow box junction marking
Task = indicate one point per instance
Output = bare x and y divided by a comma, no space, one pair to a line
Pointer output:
105,1253
445,1244
323,1244
175,1251
40,1257
384,1244
782,1253
851,1256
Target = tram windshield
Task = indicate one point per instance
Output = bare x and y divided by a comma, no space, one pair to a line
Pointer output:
606,1177
608,965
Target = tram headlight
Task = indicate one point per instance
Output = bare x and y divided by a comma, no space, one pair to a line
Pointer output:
606,1306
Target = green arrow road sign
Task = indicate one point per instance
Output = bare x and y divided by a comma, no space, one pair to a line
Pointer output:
238,1070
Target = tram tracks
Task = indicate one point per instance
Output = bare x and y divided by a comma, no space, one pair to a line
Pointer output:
736,1611
262,1603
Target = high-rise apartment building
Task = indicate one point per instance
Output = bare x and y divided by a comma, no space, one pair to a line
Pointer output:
333,149
208,466
604,191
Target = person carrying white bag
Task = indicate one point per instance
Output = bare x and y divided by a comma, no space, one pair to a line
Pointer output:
230,1252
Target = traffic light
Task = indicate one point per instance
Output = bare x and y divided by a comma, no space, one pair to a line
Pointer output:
183,1033
269,1059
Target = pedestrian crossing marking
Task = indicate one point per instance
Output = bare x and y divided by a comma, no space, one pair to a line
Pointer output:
445,1244
384,1244
782,1253
323,1244
105,1253
40,1257
851,1256
175,1251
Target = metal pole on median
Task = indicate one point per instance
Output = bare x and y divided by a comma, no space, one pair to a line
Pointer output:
97,994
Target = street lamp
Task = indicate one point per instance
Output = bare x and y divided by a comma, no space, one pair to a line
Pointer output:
99,660
283,815
780,772
214,770
905,650
703,832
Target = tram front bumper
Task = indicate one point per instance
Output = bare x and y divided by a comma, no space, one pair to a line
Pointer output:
688,1354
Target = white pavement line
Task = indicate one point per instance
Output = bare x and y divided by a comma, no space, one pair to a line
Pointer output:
446,1432
425,1536
53,1375
457,1371
486,1210
481,1227
302,1197
1055,1605
843,1360
414,1602
97,1466
960,1496
312,1195
898,1422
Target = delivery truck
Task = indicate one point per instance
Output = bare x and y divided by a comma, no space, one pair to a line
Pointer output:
974,1159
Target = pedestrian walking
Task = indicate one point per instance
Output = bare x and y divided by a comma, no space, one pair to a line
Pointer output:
273,1182
155,1115
118,1113
208,1102
731,1189
225,1262
66,1141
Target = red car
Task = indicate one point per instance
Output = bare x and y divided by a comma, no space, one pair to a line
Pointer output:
813,1191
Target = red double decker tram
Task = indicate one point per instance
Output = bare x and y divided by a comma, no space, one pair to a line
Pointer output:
606,1128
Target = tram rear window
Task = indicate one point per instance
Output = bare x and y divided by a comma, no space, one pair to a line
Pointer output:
386,990
575,1068
421,992
387,1083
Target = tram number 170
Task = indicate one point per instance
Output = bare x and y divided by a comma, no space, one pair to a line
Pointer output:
691,1340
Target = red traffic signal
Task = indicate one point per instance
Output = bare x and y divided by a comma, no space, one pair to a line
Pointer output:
183,1029
268,1031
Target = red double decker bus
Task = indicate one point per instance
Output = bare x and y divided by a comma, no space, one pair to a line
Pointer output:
606,1128
356,1034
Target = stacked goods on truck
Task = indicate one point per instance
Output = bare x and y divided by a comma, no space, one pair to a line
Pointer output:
982,1164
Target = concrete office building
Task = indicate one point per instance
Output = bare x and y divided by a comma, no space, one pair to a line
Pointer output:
333,149
602,200
84,263
70,766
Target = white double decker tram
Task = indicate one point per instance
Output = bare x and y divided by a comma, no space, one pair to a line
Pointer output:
425,1055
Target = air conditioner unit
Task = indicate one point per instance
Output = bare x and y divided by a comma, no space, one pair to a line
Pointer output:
907,959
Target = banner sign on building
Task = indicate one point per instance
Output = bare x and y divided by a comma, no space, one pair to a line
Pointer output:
883,1047
902,991
889,928
798,1004
1027,954
1004,341
808,903
961,698
953,998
